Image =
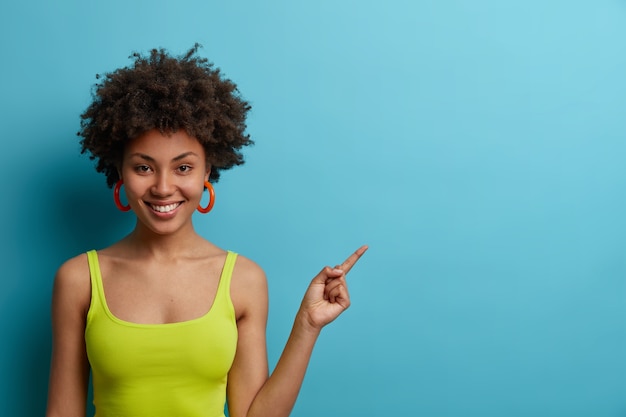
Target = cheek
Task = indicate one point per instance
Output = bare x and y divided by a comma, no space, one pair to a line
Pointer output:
136,187
195,189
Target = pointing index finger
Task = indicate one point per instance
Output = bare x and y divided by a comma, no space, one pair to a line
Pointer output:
352,259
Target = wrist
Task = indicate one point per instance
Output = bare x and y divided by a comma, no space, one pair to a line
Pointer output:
305,324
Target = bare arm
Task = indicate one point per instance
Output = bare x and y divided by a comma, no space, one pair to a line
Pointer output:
69,371
251,393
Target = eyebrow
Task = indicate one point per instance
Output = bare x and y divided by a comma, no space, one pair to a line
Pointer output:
151,159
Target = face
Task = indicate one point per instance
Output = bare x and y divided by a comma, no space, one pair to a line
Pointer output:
164,179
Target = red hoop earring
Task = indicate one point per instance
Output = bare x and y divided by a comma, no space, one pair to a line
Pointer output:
116,197
211,191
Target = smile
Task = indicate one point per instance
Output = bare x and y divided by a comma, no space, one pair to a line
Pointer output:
165,209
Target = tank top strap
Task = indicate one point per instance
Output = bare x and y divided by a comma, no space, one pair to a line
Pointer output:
97,289
223,291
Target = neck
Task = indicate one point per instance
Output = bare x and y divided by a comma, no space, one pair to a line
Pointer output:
183,243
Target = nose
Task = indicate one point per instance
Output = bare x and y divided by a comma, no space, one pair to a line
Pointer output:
164,185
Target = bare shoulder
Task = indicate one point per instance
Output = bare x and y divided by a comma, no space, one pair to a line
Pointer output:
248,275
74,269
248,286
72,281
246,268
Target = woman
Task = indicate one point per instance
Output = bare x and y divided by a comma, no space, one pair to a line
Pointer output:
168,323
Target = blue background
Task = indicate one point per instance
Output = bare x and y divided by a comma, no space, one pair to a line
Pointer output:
476,146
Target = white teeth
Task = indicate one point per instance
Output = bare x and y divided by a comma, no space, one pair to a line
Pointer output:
164,209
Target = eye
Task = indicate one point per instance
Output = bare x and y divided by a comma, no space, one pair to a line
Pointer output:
142,169
184,168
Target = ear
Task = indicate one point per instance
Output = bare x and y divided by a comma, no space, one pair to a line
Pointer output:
119,173
207,173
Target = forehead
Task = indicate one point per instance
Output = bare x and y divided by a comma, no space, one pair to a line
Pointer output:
159,145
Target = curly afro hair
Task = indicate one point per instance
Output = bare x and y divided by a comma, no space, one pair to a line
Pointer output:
167,93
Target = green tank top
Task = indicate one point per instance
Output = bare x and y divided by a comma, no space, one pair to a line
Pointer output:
160,370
